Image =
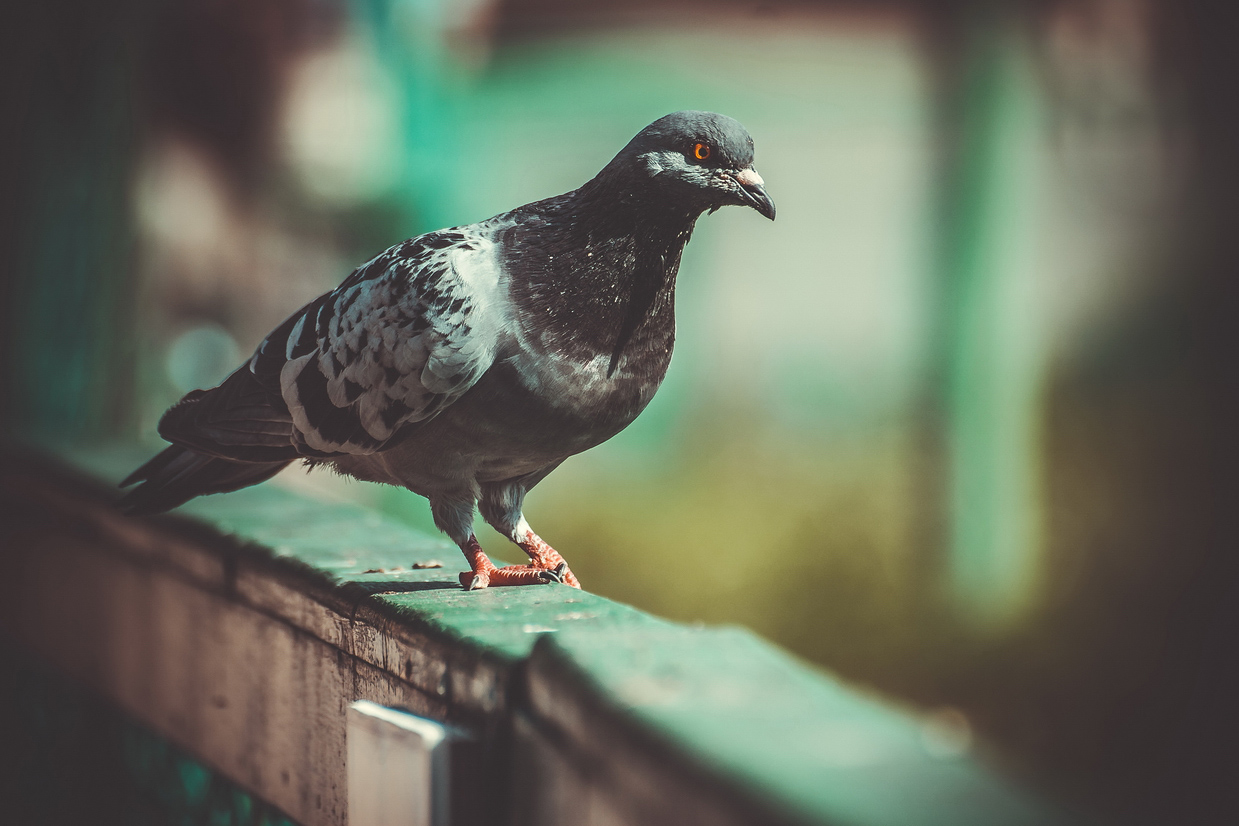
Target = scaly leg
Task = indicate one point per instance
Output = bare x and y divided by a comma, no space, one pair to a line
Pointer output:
543,556
501,505
485,574
454,516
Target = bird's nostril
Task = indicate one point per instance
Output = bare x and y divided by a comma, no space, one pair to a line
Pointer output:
749,177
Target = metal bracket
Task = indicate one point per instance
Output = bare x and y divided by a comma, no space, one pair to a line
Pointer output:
397,768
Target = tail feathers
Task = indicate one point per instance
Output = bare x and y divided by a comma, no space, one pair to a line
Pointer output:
238,420
178,474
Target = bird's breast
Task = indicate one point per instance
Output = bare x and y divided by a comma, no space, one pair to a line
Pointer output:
585,395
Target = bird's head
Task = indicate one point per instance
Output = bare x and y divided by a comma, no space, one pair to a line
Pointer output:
700,160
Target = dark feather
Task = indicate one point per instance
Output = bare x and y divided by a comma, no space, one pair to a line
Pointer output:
238,420
178,474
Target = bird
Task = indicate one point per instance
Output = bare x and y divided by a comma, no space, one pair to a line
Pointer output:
467,363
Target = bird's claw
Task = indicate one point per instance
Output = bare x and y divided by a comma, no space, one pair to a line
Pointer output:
555,574
513,575
474,580
547,567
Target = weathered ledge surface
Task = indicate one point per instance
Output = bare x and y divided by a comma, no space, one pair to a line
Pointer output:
243,626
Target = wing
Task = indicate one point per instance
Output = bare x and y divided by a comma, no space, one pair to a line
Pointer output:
401,339
239,420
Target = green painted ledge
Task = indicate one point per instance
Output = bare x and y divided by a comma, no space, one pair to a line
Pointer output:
338,543
718,717
801,743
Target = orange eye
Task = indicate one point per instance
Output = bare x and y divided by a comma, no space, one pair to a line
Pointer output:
701,151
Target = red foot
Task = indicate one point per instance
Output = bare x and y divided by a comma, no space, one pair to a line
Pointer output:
507,575
485,574
546,558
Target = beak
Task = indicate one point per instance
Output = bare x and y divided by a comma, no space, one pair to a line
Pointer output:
752,192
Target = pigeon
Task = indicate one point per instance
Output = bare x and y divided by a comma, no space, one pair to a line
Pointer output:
466,364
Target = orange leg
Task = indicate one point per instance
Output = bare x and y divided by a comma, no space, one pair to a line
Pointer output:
485,574
543,556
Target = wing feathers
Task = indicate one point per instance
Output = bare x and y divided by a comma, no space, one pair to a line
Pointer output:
238,420
403,337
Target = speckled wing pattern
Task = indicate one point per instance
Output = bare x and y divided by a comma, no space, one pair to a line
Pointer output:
402,338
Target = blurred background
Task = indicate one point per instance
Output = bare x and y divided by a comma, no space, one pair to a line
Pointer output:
958,426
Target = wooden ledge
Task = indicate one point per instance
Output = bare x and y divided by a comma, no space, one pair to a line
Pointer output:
242,627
